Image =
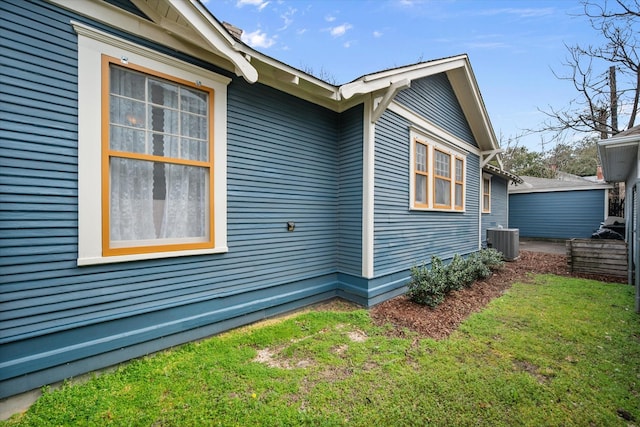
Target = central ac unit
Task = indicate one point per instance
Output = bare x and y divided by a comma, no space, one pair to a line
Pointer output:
505,240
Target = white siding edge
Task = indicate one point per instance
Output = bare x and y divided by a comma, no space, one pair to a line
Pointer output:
368,188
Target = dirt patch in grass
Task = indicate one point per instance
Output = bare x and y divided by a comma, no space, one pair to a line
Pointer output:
439,322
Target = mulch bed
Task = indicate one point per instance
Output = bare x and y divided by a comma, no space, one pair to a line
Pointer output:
439,322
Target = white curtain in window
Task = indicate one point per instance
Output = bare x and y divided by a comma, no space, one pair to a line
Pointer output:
185,210
131,200
131,190
160,118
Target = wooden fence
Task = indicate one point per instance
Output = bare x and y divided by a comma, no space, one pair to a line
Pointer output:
597,256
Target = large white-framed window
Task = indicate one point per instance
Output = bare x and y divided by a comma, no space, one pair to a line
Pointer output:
151,153
438,175
486,193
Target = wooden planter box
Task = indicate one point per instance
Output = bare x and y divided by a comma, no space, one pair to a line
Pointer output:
597,256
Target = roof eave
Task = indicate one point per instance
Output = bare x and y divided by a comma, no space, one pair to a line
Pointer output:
215,35
618,157
463,81
503,173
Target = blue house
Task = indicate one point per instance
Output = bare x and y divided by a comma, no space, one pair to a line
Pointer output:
163,182
566,207
619,156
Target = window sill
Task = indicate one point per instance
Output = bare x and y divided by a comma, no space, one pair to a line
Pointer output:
83,261
436,210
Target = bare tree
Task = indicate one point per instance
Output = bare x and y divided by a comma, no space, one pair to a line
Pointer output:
606,77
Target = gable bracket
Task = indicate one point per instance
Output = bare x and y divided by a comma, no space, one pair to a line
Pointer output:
391,93
205,26
487,156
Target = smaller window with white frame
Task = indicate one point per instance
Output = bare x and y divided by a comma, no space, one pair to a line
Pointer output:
486,193
437,176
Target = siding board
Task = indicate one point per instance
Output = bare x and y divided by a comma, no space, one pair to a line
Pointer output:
349,245
282,166
434,98
557,215
404,238
287,160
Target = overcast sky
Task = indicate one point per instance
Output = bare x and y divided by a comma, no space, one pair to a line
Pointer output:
513,45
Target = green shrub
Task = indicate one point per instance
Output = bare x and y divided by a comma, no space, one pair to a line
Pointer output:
459,274
477,267
491,258
429,286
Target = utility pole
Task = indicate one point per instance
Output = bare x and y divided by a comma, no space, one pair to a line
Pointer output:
614,100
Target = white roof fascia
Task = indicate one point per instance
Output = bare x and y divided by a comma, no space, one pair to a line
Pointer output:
282,71
126,21
327,87
219,40
462,80
479,122
620,141
374,82
517,190
278,74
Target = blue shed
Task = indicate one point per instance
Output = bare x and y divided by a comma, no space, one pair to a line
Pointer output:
162,182
563,208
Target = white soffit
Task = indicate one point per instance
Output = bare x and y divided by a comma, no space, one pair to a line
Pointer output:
618,158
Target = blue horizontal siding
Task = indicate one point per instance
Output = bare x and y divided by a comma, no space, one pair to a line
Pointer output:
403,238
433,98
282,166
557,215
499,207
349,254
287,159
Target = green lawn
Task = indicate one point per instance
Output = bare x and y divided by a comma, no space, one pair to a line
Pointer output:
557,352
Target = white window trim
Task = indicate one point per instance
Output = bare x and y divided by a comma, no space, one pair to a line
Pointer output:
92,44
485,177
433,144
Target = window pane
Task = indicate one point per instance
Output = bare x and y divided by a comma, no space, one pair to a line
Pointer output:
131,204
193,126
194,149
127,83
459,195
127,139
170,146
421,157
185,210
485,202
486,185
163,120
459,170
163,93
193,101
126,112
443,192
421,189
139,212
443,165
